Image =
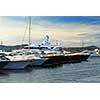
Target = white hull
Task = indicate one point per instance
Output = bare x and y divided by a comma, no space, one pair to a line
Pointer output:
16,65
23,64
38,62
95,55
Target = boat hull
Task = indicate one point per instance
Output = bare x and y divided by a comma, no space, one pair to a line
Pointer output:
95,55
3,64
44,61
16,65
39,62
54,60
11,65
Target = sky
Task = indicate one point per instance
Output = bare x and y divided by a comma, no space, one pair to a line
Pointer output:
68,31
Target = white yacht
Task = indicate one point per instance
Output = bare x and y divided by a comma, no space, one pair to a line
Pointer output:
20,60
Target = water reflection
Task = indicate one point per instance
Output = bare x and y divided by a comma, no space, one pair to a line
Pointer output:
88,71
8,71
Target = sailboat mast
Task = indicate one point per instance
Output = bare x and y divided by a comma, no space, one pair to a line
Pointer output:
29,30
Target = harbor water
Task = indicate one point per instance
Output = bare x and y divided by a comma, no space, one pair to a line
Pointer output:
84,72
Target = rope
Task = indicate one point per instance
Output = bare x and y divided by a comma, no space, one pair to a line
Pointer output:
25,32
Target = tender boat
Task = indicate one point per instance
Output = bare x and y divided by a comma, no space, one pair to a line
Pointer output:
95,53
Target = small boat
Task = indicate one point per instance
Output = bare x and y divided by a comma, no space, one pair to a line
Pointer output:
95,53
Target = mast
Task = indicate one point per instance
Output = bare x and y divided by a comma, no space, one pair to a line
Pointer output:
29,30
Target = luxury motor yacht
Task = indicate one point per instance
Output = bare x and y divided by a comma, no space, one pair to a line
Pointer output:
55,54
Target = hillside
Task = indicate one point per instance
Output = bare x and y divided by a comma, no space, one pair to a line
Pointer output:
78,49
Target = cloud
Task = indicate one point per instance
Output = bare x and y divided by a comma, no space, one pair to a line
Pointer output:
69,30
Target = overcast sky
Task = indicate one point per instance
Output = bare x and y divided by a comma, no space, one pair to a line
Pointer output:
67,30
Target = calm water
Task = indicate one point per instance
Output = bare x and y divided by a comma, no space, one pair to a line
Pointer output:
88,71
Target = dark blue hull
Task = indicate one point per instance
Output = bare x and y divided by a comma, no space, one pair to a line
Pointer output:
54,60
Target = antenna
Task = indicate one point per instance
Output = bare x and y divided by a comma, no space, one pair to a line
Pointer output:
82,44
1,44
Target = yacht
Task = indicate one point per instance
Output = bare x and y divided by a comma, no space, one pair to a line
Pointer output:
55,54
20,61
